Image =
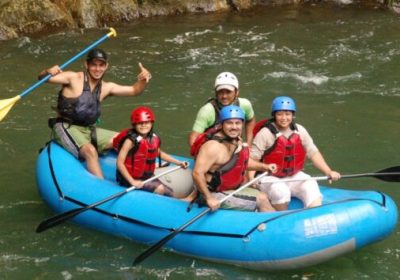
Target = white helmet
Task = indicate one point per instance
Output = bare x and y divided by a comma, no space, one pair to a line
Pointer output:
226,80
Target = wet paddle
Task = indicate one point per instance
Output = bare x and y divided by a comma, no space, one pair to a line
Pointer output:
7,104
60,218
391,174
171,235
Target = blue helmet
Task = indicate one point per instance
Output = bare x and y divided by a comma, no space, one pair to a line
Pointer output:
283,103
231,112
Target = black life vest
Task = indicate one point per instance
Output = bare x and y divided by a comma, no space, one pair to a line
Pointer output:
83,110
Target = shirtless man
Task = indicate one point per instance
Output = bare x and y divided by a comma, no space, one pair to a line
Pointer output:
221,164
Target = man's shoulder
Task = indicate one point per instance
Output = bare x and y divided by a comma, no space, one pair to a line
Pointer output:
246,106
208,104
206,109
212,146
73,74
242,99
79,74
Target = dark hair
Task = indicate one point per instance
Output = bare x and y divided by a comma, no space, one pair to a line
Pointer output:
96,54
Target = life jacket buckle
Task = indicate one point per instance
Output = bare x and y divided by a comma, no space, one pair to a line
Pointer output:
289,147
288,170
289,158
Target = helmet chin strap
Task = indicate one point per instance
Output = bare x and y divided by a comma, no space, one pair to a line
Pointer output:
232,141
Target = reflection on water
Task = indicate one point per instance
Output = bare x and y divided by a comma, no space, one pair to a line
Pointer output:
339,64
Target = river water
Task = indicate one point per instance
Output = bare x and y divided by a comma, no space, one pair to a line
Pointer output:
340,64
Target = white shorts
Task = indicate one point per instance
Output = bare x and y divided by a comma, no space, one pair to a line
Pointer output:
281,192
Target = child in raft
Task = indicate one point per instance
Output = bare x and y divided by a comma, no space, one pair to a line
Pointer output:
138,149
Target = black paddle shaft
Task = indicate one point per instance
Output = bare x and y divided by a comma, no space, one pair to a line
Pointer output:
391,174
163,241
60,218
167,238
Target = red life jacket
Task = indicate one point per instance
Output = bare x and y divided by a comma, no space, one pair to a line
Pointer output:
141,159
202,138
231,175
287,153
259,125
119,139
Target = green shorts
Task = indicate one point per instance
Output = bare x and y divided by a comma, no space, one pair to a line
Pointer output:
73,137
244,200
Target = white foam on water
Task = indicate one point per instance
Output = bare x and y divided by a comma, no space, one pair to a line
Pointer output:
199,33
19,258
135,38
353,76
179,39
189,37
208,272
248,55
86,269
342,49
344,2
23,41
19,203
66,275
308,78
198,53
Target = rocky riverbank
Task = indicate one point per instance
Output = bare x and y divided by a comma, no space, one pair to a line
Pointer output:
23,17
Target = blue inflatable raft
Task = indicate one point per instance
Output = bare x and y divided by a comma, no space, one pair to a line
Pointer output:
296,238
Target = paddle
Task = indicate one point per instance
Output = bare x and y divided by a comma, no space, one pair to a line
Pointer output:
60,218
391,174
6,104
164,240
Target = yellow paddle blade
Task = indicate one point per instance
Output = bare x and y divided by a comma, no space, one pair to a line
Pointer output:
6,105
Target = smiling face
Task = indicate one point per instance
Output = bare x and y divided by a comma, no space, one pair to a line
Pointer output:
283,119
232,128
96,68
226,97
143,128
